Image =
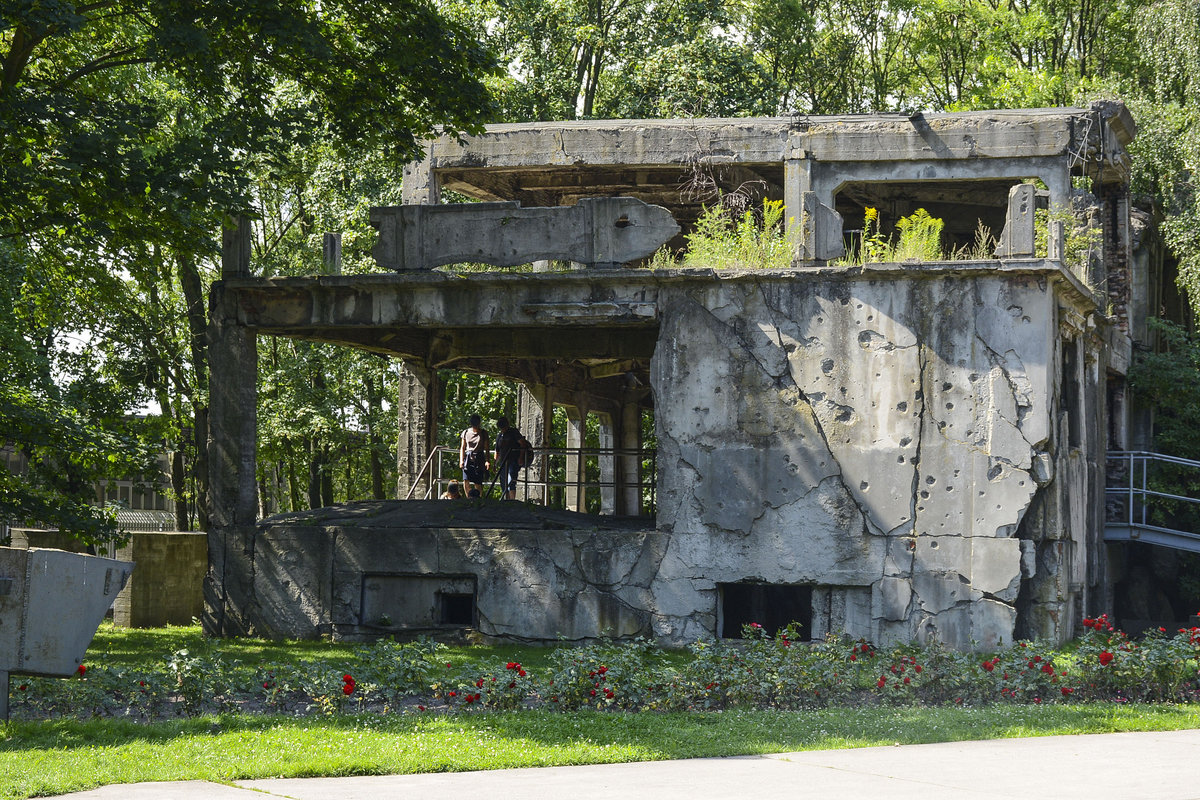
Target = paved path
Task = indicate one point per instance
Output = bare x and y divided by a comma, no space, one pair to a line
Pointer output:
1154,766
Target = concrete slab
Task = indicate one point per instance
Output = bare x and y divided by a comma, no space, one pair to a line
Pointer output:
1090,767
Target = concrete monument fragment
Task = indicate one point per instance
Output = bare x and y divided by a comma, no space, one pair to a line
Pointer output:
51,603
897,451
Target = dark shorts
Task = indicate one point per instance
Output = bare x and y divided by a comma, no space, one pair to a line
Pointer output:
475,474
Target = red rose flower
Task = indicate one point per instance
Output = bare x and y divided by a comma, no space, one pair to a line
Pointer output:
908,680
853,657
1105,658
1046,668
917,668
989,666
80,670
882,681
1066,691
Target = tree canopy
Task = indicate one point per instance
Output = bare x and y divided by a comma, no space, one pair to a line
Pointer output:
129,130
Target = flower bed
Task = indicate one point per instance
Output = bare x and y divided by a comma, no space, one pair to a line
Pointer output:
759,671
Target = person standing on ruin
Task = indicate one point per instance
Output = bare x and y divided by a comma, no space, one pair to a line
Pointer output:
473,447
513,451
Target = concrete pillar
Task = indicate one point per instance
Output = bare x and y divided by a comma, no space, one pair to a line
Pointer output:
1058,183
534,420
233,395
331,252
607,464
417,402
629,494
576,490
232,442
1017,238
796,181
419,185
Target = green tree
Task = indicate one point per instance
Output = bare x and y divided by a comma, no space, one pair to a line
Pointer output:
129,130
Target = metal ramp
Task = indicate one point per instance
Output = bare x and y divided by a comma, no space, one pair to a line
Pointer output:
1139,509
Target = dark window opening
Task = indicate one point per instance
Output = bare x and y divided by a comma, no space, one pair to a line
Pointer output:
967,208
1070,394
773,606
456,609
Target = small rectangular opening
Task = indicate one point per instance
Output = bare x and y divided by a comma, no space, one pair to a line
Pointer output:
456,609
772,606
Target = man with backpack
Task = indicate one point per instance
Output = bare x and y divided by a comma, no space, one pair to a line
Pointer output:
473,447
513,451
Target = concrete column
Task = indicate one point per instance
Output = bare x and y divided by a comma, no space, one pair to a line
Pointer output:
629,437
576,491
233,395
419,185
417,401
232,442
796,181
608,466
331,252
534,420
1058,183
1017,238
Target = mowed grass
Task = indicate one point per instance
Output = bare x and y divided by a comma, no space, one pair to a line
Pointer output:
54,757
63,755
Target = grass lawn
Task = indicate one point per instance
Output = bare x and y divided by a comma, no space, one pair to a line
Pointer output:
58,755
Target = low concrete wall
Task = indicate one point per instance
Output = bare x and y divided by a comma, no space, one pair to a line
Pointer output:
167,583
369,569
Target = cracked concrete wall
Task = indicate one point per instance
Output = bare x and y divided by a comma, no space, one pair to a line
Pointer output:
357,576
881,437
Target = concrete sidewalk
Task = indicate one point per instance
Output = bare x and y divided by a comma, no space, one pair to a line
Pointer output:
1155,766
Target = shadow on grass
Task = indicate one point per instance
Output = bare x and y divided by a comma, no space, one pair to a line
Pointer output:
658,735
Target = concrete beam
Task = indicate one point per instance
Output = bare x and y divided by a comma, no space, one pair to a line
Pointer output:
603,232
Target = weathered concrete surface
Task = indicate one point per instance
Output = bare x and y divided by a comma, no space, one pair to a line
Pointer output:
917,446
858,433
604,232
537,574
878,435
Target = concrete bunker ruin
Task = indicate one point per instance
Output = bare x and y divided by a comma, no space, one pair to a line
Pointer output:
900,451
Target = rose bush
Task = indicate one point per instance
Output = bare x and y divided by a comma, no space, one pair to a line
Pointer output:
759,671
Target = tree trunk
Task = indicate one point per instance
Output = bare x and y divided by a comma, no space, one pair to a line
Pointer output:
197,319
314,473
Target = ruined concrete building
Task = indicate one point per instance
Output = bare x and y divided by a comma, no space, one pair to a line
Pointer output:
899,451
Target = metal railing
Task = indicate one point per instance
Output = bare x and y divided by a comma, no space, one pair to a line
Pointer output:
1139,507
596,480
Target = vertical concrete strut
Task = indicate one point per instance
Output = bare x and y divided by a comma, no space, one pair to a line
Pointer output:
417,403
